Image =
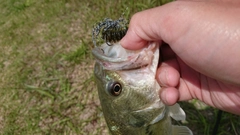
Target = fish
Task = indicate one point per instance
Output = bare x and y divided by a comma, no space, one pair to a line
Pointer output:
128,92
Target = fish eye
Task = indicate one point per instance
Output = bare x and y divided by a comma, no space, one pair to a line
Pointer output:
115,88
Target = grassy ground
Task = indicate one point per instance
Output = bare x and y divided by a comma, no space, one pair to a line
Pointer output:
46,84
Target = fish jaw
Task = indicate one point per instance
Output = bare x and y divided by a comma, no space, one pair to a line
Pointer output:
116,57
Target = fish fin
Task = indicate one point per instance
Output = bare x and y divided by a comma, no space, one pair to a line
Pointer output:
181,130
176,112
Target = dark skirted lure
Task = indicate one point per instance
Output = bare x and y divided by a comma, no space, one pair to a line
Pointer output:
110,31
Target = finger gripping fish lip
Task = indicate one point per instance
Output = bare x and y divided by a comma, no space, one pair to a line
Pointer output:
109,31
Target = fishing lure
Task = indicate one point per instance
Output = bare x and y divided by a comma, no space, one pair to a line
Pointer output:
110,31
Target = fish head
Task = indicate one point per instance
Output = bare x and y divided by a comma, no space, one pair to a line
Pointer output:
127,87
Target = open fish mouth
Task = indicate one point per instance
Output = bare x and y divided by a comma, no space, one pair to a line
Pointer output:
116,57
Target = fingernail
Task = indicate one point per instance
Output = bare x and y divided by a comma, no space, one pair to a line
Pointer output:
122,42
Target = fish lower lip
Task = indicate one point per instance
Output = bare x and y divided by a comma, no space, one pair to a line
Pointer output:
118,58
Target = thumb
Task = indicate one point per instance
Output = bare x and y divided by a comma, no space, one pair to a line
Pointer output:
132,41
156,24
140,30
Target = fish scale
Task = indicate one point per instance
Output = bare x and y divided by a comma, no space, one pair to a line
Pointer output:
128,92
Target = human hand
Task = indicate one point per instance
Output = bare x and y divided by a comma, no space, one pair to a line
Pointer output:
202,60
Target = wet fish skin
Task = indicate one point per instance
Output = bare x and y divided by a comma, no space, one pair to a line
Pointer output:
129,98
126,121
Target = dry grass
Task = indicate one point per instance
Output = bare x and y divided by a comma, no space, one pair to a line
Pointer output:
46,84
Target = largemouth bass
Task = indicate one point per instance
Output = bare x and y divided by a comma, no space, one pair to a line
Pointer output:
128,92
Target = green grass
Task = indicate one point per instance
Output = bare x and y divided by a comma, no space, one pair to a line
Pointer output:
46,84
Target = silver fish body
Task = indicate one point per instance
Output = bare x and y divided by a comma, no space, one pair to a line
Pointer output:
128,92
